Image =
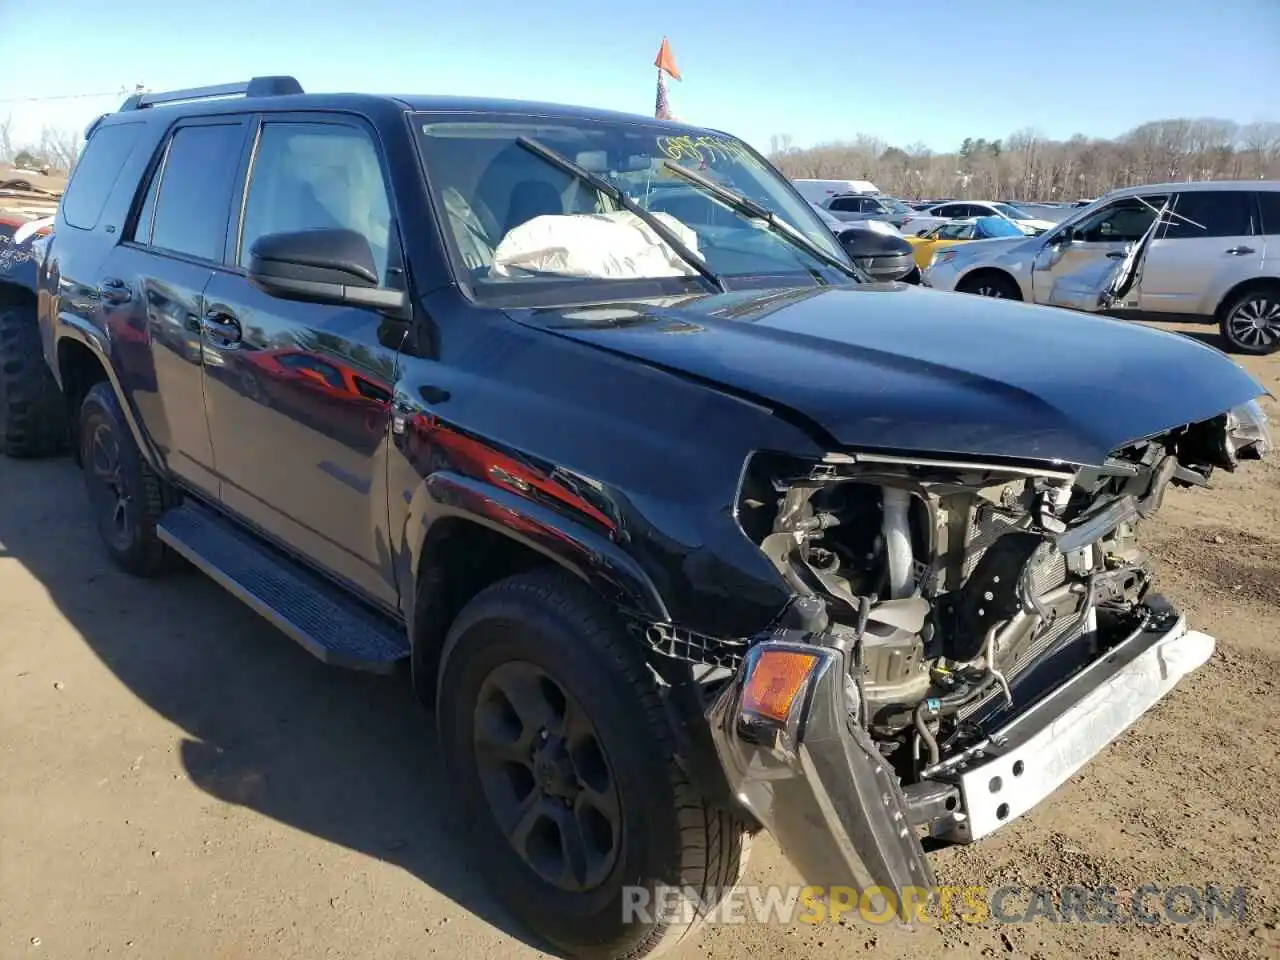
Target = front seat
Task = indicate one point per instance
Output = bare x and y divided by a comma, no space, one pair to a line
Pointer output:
529,199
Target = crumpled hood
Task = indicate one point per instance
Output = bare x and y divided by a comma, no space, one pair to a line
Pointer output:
893,367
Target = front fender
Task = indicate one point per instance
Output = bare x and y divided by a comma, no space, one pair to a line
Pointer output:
599,562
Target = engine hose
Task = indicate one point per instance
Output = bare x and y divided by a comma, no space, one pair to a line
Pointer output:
929,705
1028,590
949,703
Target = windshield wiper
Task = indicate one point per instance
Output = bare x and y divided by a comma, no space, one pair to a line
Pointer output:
619,197
749,208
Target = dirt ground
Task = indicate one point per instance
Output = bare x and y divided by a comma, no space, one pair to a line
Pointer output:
178,780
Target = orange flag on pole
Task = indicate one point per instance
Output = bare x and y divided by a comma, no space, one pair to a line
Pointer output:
666,61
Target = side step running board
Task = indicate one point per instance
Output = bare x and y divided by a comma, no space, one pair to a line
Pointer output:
337,630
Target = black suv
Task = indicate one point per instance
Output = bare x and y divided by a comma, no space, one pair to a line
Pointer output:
686,529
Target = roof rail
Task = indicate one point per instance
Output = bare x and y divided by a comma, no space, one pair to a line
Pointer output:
257,87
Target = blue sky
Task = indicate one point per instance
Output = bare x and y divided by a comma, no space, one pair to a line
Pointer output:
933,71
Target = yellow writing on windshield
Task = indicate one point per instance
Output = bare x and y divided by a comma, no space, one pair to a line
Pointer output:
705,149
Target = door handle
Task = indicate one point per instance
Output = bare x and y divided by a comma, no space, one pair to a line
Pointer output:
1239,251
114,290
1116,255
223,327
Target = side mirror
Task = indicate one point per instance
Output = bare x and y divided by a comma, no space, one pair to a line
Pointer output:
884,256
320,266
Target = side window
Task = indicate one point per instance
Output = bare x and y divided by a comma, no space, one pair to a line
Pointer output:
371,391
1213,213
847,204
1269,201
194,199
314,367
315,176
96,173
1124,221
142,227
950,211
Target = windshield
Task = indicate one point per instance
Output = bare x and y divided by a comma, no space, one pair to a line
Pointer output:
525,231
894,205
1012,212
997,227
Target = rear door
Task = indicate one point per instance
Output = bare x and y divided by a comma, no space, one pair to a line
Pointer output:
1212,244
152,287
1107,232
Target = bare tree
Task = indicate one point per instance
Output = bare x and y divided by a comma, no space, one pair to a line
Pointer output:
61,148
6,139
1027,165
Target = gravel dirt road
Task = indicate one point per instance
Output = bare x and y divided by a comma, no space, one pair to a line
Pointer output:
178,780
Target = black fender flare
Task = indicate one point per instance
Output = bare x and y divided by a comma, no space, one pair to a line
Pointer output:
79,331
595,559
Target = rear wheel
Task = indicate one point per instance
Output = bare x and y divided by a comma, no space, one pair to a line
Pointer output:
126,497
33,413
991,284
1251,321
563,761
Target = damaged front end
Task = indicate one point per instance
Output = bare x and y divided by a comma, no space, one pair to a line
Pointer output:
964,637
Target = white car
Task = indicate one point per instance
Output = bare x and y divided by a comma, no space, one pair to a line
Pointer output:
1214,256
930,217
837,225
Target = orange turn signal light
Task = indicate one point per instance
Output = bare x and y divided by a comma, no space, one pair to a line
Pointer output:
776,680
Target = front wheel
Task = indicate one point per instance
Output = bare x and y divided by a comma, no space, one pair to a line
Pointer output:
556,739
1251,322
991,284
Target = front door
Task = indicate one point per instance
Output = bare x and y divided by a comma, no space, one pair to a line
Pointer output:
1106,232
299,394
1212,243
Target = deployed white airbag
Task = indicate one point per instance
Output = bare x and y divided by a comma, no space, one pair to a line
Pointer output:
606,246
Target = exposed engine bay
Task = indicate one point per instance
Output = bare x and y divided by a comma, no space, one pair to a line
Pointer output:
963,592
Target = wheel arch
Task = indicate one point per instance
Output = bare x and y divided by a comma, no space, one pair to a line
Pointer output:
475,534
1241,288
88,361
973,276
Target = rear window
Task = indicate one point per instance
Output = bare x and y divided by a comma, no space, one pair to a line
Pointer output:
1269,201
95,175
1211,213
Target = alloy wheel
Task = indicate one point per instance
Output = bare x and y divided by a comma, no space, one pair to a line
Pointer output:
111,500
546,777
1255,324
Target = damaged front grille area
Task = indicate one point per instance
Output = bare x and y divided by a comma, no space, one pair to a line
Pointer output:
682,644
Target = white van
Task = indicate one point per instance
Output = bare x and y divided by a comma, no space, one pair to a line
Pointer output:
819,191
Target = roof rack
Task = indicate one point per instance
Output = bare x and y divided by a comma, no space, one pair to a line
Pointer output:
257,87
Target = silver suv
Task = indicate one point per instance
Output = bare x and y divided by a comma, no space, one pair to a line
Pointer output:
1212,261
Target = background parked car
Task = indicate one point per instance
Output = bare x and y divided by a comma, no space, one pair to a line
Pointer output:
969,209
818,191
869,206
1217,258
959,231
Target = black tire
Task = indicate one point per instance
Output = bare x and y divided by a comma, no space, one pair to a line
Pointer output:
990,283
126,497
1250,321
546,625
33,413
